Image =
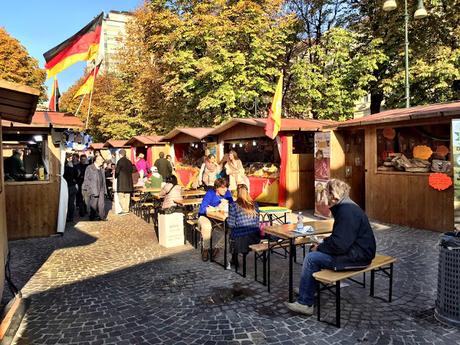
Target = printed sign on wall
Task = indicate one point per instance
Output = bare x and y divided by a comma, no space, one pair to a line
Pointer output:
455,137
322,173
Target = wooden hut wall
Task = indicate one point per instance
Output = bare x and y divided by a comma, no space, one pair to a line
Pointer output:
3,229
404,198
156,149
347,152
29,212
300,179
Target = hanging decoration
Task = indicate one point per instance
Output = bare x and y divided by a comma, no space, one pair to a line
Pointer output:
442,150
79,141
422,152
389,133
440,181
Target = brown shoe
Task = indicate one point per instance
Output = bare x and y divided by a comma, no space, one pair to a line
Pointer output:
205,255
215,253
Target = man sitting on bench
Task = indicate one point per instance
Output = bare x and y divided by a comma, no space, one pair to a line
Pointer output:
351,245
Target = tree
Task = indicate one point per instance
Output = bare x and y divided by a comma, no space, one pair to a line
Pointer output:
330,87
112,114
16,65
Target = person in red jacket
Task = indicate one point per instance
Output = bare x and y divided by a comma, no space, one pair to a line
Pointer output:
350,246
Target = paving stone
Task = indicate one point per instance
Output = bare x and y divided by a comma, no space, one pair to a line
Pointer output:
111,283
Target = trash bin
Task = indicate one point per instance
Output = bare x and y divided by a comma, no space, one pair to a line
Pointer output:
448,298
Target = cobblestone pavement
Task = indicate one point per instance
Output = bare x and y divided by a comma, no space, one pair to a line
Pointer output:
111,283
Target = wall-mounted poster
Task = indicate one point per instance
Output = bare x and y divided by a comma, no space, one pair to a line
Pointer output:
456,169
322,173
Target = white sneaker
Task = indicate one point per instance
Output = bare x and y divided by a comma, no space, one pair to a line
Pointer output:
300,308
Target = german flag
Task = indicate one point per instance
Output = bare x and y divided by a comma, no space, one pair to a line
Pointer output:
88,84
84,45
54,98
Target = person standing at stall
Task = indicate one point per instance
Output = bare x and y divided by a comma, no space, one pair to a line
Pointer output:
142,166
94,185
71,176
124,176
81,200
235,171
163,166
208,172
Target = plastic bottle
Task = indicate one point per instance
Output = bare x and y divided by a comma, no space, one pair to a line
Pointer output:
300,221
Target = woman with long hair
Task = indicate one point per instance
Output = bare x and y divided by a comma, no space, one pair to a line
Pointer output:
235,171
243,219
209,171
171,191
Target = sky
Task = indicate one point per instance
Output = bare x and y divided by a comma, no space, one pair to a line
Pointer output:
42,24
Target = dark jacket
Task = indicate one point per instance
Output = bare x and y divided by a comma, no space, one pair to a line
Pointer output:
71,175
164,167
81,173
124,175
352,243
94,183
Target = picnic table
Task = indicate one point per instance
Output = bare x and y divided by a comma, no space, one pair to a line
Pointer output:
189,202
287,235
218,221
274,213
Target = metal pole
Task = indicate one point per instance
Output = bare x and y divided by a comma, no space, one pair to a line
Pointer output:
90,98
406,53
255,107
81,101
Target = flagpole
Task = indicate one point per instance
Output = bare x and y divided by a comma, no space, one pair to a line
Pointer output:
81,102
90,98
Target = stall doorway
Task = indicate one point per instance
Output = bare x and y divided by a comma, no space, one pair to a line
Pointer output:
355,174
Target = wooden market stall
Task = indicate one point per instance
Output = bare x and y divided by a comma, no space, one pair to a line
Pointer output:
280,171
114,146
149,145
17,103
389,158
188,148
38,146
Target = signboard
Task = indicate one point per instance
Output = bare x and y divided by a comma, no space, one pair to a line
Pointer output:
322,173
456,169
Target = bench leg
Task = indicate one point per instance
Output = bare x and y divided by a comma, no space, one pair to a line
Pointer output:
364,279
255,266
244,265
318,299
372,283
390,288
264,267
268,268
337,304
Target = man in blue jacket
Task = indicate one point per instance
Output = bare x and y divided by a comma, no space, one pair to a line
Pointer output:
350,246
218,197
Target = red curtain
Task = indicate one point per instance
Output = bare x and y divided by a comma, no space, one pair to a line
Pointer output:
283,170
149,157
133,154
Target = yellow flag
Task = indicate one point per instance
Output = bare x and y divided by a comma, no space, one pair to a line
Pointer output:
88,84
273,124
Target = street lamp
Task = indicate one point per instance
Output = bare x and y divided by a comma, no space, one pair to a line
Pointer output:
390,5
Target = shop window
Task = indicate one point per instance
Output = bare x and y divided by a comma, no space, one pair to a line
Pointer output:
260,156
414,149
303,143
25,157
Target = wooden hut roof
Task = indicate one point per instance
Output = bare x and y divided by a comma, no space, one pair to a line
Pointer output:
403,114
96,146
45,119
144,140
116,143
17,102
286,124
198,132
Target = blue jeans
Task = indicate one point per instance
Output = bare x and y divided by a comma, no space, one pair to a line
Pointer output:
314,262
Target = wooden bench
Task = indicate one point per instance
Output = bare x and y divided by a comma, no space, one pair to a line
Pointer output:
328,278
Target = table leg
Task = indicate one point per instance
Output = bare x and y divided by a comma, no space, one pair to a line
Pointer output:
291,269
225,246
210,245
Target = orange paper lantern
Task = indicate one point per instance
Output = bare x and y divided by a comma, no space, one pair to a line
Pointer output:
442,150
422,152
440,181
389,133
